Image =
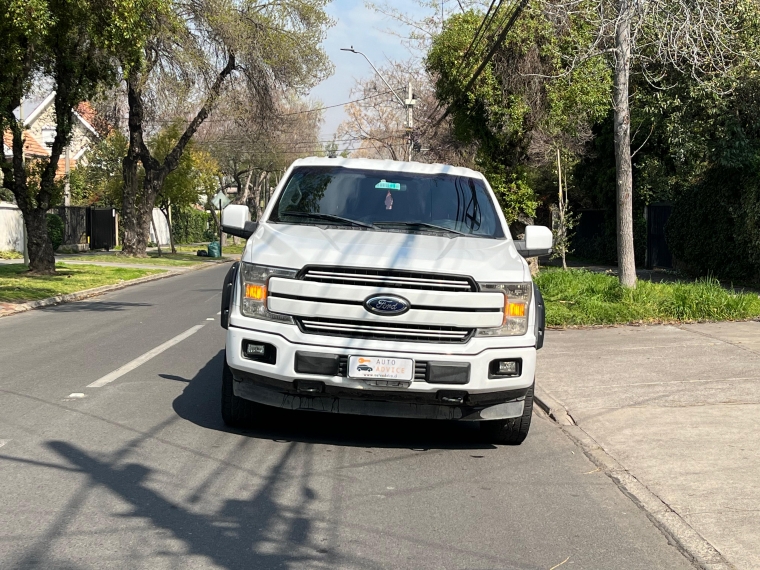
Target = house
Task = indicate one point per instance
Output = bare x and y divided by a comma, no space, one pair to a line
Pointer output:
38,114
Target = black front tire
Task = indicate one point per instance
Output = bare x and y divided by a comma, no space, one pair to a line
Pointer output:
238,412
512,431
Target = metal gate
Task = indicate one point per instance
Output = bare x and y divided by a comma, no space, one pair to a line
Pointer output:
658,253
74,223
102,228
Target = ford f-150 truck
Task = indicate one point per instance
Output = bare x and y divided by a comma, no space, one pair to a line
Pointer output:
383,288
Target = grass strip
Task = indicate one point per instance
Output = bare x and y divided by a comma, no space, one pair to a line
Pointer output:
17,286
10,254
166,259
583,298
230,248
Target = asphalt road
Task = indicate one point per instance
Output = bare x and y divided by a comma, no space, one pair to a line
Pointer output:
141,472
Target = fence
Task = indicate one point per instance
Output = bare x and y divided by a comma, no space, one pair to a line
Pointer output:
74,223
11,228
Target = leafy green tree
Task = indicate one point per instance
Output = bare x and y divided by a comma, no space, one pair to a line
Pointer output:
97,180
68,43
198,49
195,175
522,107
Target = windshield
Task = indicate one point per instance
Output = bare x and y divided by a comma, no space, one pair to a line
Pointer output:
388,201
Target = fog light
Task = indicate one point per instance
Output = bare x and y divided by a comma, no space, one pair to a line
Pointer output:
259,351
255,350
506,367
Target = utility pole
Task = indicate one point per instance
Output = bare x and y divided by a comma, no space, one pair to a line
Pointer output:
23,163
67,185
408,104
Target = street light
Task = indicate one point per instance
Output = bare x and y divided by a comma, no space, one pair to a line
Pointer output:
408,104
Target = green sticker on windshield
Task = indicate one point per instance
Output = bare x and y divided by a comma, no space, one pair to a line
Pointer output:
388,185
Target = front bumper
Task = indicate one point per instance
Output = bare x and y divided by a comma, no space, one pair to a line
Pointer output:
278,384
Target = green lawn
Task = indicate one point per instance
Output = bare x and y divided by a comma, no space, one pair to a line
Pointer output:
17,286
578,298
166,259
229,249
10,254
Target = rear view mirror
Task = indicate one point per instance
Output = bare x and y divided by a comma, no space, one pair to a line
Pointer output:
538,241
236,221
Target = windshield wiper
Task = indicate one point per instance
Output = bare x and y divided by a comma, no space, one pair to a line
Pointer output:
327,218
419,225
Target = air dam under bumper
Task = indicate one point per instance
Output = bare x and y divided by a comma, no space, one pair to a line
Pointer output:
319,397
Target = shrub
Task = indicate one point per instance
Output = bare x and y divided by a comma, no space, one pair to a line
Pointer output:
714,228
189,225
55,230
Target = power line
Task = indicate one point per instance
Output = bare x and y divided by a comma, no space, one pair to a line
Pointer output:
499,40
164,121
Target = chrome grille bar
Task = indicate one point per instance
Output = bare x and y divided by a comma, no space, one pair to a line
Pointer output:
390,331
389,279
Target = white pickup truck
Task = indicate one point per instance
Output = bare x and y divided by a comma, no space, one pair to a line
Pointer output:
383,288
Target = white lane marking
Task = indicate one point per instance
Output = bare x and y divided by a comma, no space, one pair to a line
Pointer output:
129,366
210,319
3,442
219,313
75,395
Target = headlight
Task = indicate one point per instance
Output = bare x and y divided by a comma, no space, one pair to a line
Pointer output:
516,305
254,281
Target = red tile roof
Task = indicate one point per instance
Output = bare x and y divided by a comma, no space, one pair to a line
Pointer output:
31,146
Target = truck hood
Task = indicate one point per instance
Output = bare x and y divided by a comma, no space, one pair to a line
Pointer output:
294,246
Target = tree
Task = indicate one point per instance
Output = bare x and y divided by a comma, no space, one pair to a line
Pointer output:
511,105
705,41
254,147
97,180
198,49
194,176
67,44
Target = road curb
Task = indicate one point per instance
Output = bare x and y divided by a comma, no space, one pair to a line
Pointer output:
553,408
87,293
676,529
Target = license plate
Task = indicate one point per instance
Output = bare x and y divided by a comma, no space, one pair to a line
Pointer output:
380,367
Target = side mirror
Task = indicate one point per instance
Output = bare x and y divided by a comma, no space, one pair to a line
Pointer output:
236,221
538,241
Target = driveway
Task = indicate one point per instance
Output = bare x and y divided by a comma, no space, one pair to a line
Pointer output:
679,408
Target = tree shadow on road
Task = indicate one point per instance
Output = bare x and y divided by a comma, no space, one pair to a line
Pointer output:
94,306
200,404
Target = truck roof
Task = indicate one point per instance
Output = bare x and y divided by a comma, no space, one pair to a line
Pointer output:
388,165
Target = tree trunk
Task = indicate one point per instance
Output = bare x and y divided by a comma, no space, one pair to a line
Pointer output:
622,121
33,209
41,255
171,231
134,219
155,232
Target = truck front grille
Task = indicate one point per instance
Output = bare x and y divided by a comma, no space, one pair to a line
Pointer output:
384,331
387,278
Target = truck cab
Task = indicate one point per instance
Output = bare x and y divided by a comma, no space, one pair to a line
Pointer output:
383,288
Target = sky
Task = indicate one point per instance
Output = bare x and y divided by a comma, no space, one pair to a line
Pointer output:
365,29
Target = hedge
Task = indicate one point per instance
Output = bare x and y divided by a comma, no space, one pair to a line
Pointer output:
191,226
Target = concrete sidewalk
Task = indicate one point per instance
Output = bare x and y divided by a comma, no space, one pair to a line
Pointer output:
679,409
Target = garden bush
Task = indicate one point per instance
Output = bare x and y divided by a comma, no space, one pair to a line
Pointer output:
55,230
190,225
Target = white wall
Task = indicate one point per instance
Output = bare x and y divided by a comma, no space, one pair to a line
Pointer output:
11,228
162,226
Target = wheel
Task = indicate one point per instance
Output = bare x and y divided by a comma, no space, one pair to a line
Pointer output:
512,431
236,411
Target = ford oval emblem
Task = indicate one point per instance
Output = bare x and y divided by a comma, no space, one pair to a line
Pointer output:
387,305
